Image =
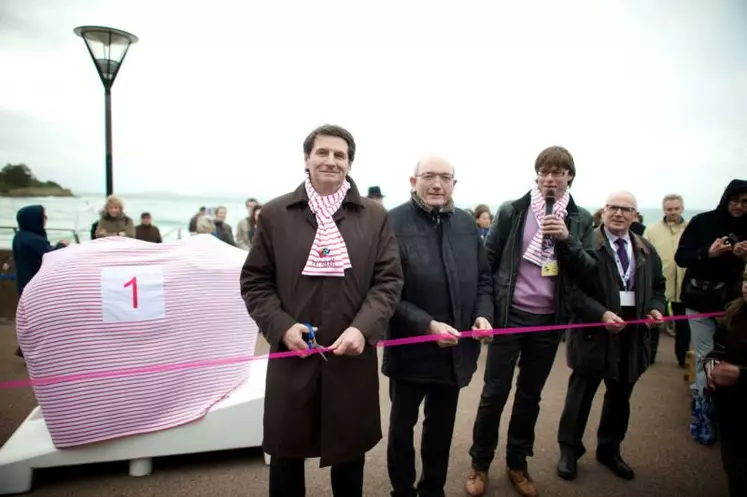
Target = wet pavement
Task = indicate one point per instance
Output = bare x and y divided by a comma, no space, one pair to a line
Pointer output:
667,462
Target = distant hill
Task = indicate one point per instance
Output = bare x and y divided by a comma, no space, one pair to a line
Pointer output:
17,180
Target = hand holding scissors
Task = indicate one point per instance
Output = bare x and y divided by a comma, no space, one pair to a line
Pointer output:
311,341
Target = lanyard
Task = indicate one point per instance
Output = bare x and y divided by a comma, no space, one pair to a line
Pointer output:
624,275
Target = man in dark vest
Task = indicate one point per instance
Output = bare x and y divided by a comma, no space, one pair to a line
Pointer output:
448,287
626,284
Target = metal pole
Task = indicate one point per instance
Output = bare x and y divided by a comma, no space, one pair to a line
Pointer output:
109,165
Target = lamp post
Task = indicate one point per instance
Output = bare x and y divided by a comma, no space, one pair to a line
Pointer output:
108,48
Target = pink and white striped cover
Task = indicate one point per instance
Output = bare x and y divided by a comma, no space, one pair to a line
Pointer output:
61,330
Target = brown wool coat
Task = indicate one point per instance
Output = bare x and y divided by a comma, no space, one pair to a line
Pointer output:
315,408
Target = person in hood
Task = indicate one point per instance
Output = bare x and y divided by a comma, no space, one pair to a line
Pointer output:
30,243
713,249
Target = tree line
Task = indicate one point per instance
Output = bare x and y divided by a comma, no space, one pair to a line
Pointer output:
16,176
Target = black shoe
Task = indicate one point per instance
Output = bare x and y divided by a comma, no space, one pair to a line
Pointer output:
567,467
617,465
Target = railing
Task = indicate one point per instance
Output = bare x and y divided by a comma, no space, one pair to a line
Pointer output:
76,234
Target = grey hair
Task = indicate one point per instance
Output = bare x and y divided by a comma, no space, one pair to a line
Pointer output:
673,196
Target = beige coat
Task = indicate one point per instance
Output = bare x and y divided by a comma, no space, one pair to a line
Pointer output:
115,226
665,237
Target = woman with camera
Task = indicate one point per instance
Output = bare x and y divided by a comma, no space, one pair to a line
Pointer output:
713,249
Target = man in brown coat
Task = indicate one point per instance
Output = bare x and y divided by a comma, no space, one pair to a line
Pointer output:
325,257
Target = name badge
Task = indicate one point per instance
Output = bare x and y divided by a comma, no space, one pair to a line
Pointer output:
550,268
627,299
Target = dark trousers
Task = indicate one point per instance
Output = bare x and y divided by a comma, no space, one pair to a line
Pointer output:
438,426
537,351
615,415
733,440
288,478
655,337
681,333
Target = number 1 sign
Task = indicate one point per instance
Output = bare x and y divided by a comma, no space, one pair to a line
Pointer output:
132,293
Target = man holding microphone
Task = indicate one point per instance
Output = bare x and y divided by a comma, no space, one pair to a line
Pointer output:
534,245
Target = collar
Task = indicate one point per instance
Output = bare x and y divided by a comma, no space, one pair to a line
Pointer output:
446,210
664,220
524,202
299,195
636,241
613,237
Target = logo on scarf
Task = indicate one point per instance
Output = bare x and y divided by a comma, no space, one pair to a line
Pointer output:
324,252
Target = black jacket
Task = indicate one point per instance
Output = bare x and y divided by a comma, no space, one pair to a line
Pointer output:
504,244
30,244
596,351
730,345
692,254
447,279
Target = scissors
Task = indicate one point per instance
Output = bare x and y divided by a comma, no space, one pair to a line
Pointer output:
312,343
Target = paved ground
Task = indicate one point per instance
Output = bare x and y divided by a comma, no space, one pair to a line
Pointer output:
667,462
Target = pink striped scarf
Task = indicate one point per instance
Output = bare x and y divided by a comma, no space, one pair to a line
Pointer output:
329,254
541,250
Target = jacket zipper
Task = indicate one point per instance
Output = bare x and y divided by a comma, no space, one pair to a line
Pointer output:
510,295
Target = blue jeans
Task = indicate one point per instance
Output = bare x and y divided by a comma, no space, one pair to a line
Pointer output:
702,426
701,334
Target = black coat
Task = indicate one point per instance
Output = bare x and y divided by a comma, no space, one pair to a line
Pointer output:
447,279
504,249
692,254
596,351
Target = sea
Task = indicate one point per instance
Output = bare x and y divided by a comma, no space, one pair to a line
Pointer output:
67,216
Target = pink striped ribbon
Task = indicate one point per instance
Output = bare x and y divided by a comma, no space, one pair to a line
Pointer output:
6,385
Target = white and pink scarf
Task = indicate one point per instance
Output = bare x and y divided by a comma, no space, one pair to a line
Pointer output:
329,254
541,250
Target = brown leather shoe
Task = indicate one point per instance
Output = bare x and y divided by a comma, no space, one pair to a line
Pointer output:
522,482
476,482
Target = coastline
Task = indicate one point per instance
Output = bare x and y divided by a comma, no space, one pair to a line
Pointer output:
37,191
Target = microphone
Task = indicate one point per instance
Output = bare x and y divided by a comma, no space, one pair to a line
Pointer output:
549,202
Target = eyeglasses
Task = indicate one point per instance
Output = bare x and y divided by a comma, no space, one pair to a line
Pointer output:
622,208
431,177
554,173
742,202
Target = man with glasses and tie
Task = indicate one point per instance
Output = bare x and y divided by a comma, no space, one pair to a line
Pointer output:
626,284
535,246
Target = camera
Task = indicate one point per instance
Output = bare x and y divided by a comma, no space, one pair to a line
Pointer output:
732,239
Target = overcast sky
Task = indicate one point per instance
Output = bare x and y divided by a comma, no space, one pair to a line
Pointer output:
648,95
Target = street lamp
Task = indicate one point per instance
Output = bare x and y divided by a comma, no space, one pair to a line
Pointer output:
108,48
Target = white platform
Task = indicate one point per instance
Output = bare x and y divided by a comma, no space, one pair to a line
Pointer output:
234,423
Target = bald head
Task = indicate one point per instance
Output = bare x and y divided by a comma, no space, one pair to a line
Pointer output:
434,162
620,211
626,198
433,181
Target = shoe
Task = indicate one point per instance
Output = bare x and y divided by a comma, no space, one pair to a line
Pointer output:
522,482
477,481
567,467
617,466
